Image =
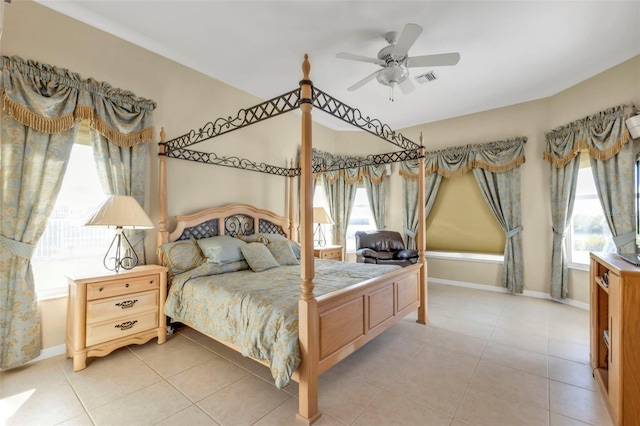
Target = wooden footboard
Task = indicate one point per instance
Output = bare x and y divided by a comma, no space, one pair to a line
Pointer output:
351,317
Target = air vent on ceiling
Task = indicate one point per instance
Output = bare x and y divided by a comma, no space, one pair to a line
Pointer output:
426,77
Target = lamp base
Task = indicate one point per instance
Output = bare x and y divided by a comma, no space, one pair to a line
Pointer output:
117,261
320,240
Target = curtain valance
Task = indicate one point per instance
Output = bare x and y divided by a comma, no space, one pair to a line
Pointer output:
119,115
603,135
375,173
496,157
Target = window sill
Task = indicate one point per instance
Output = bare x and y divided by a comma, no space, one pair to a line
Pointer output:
579,266
466,257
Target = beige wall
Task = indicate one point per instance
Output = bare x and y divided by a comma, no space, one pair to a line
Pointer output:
187,100
616,86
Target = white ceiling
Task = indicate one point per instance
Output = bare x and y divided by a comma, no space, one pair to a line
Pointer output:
511,51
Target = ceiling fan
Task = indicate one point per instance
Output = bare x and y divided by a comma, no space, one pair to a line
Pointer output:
395,61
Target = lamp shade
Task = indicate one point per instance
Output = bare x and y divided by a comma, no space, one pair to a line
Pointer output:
320,215
120,211
633,124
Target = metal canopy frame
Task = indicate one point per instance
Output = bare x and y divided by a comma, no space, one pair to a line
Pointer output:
178,147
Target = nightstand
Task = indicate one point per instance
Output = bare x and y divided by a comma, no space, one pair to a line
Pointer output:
108,311
328,252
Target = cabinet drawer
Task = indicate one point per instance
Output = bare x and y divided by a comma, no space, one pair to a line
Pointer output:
331,254
120,287
120,327
119,306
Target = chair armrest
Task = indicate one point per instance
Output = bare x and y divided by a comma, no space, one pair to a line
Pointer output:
362,253
407,254
366,252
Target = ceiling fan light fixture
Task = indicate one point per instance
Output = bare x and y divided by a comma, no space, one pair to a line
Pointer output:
393,74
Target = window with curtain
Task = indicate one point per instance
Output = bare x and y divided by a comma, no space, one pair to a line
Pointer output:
361,218
588,230
460,220
66,244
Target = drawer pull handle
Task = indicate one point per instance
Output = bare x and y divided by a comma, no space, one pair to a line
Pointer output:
126,325
127,304
101,288
127,285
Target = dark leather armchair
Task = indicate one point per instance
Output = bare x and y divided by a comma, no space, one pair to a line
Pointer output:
383,248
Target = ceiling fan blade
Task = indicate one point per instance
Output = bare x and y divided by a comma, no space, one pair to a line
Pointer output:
407,37
354,57
363,81
406,86
439,60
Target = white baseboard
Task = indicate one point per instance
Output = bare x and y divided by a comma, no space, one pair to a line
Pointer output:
49,353
528,293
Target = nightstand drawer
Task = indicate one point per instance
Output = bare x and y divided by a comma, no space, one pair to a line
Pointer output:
331,254
121,327
101,290
120,306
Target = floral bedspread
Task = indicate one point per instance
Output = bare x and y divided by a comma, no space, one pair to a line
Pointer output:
258,311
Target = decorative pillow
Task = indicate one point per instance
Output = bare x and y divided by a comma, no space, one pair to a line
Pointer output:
297,250
277,237
253,238
213,269
273,237
181,256
259,257
282,253
222,249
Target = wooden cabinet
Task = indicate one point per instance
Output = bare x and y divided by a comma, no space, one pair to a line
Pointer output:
615,335
328,252
107,312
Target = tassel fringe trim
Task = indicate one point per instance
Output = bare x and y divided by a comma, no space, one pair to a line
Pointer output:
473,164
81,112
602,155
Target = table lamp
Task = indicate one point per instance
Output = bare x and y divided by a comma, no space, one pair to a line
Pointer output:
320,218
121,212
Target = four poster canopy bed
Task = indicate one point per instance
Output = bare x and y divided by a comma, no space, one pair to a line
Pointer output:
297,315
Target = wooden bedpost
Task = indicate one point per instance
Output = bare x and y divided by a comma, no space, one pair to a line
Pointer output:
308,322
163,231
292,223
422,310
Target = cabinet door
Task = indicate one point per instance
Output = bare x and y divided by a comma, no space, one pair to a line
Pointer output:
615,346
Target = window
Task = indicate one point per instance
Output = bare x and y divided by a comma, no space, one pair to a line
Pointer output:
66,244
361,218
361,215
460,220
588,230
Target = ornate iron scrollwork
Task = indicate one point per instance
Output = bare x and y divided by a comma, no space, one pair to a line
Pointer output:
234,162
353,116
245,117
176,148
238,224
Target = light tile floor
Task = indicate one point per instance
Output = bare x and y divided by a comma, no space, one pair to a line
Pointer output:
485,359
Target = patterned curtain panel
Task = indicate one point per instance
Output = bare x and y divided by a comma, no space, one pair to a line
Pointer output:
122,171
33,164
605,138
340,189
496,168
374,177
41,108
409,172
